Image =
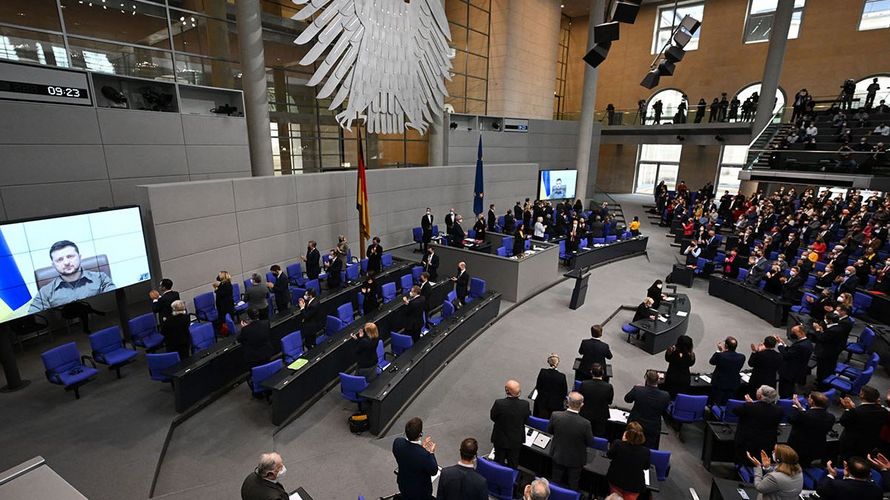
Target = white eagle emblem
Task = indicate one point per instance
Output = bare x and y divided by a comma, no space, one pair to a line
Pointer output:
388,59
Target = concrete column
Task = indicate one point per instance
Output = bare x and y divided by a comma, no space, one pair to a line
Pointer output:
588,152
253,82
775,58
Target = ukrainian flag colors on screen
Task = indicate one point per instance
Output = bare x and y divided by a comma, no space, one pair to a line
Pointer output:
557,184
49,262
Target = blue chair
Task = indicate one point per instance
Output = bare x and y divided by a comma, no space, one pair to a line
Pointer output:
700,265
611,239
240,305
500,479
847,386
562,250
313,284
576,386
626,235
471,233
351,386
417,236
538,423
629,329
746,473
270,278
260,373
345,313
247,284
108,349
351,273
144,332
205,307
388,291
64,366
528,244
406,282
435,231
599,241
230,325
447,310
812,476
849,371
600,443
507,243
861,303
687,409
386,259
296,293
557,492
725,413
743,273
501,252
477,289
451,297
203,336
416,271
291,347
382,363
295,274
810,283
661,459
157,363
804,306
363,264
400,343
332,325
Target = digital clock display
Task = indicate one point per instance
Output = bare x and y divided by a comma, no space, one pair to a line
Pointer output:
44,90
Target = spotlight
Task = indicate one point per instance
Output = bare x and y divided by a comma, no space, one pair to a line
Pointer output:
606,32
597,54
690,24
666,68
650,81
453,126
681,38
674,54
625,11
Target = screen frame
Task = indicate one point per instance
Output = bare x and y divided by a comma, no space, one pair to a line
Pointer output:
539,179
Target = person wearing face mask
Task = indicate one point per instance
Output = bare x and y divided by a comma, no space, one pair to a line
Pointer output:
224,294
461,283
777,477
426,226
430,263
263,483
654,292
882,278
848,282
830,340
791,286
415,304
311,316
795,361
461,481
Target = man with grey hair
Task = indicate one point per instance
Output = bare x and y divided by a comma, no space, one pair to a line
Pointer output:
539,489
262,483
758,423
571,433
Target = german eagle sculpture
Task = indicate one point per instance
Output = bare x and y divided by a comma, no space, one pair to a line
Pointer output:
387,60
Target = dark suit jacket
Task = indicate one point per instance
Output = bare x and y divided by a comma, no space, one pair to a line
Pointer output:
727,368
848,285
809,431
281,288
457,235
461,483
845,489
552,390
462,285
431,265
414,316
311,318
758,425
862,429
416,469
593,351
832,341
795,359
426,291
256,488
650,404
627,465
256,343
164,305
176,332
509,416
426,223
492,220
334,268
571,435
598,396
313,264
765,366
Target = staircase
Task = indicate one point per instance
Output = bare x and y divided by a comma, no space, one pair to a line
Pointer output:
772,134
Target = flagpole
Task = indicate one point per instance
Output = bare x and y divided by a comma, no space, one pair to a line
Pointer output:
361,234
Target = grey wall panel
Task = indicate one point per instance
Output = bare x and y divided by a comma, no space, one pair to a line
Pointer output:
311,187
49,199
263,252
265,222
143,160
38,123
223,130
262,192
220,176
2,208
321,212
217,159
195,235
175,202
123,191
123,126
200,269
53,163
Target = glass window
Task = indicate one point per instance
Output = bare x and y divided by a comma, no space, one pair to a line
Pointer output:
749,91
204,36
669,17
670,100
130,22
657,162
33,47
759,23
875,15
42,14
732,161
882,93
207,72
120,59
469,22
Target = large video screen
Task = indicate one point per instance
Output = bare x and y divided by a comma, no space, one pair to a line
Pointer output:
556,184
51,262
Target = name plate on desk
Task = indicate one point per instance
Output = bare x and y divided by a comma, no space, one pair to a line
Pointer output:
541,440
617,415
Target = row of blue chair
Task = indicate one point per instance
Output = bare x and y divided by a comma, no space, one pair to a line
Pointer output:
501,481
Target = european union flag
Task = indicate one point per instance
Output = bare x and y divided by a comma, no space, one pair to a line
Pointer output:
14,292
478,192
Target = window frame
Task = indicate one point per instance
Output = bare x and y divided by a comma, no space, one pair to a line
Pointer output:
862,13
674,6
748,17
721,164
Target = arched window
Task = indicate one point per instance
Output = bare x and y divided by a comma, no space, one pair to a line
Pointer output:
670,99
747,91
862,90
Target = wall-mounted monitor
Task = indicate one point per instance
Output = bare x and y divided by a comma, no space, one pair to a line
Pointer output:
49,262
556,184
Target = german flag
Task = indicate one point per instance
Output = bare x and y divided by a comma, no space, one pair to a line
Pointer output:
361,194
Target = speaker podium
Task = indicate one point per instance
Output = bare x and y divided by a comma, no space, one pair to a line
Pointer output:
579,293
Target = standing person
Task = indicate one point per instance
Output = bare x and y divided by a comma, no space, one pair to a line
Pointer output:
519,240
365,343
656,109
680,359
311,318
726,378
598,396
856,483
650,403
430,263
592,350
176,330
374,254
281,289
810,427
255,339
224,296
457,232
539,229
450,218
509,415
461,481
714,109
795,361
870,93
571,433
333,268
492,219
426,226
479,227
263,483
552,388
655,293
862,424
312,260
724,107
799,105
371,296
734,109
461,283
782,481
415,307
416,461
257,296
700,110
629,463
641,111
830,340
765,362
162,299
758,423
634,226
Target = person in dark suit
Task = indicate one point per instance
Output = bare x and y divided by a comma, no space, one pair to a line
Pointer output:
479,228
598,395
862,424
629,461
680,359
568,447
224,296
517,211
758,424
312,260
856,483
848,283
519,240
162,299
492,218
810,427
371,299
176,330
758,270
765,362
450,218
457,232
430,263
509,415
416,461
650,403
333,268
281,289
552,388
795,361
311,317
426,291
710,245
592,350
374,254
726,378
830,340
655,293
645,310
255,339
263,483
461,481
415,305
426,226
365,342
461,283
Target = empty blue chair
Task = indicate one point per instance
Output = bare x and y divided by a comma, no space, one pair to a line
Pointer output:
812,476
202,335
351,386
451,297
247,283
352,273
435,231
417,236
611,239
291,347
240,305
471,233
382,363
810,283
386,259
363,265
157,363
861,303
626,235
230,324
599,241
538,423
313,284
600,443
848,370
804,306
332,325
562,250
700,264
416,271
528,244
108,349
345,313
500,479
661,459
406,282
295,274
64,366
501,252
144,332
205,307
270,278
447,310
388,291
583,243
686,409
260,373
847,386
557,492
296,293
725,413
743,273
477,289
507,243
629,329
400,343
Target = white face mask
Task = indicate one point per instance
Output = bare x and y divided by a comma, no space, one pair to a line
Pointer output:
282,472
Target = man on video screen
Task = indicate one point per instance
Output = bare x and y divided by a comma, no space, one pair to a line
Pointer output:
558,190
73,283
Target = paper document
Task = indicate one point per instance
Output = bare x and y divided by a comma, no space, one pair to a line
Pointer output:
705,378
239,304
746,377
662,319
297,364
682,314
668,299
530,437
534,395
646,476
295,496
542,440
617,415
